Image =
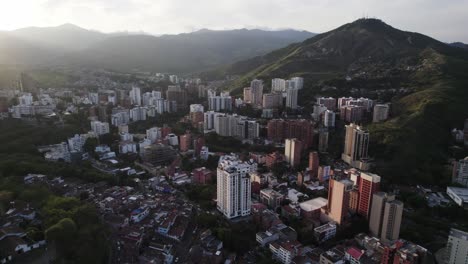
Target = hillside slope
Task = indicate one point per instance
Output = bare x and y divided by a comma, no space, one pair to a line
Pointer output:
412,146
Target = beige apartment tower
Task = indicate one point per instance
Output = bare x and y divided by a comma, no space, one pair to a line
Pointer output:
457,247
385,217
338,199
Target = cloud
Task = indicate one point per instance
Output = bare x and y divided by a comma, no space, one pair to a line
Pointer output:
444,20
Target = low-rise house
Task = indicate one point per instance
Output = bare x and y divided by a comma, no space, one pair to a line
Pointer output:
333,256
325,232
285,251
265,238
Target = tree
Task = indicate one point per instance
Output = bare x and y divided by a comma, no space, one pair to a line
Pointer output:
5,198
63,235
90,145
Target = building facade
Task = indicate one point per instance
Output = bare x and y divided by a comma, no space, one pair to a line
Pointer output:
233,186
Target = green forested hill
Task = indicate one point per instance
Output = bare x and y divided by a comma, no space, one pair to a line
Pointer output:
413,145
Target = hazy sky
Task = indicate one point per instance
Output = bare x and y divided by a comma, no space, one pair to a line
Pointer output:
445,20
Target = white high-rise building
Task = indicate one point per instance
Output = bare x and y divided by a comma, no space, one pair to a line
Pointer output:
278,85
233,186
146,99
125,136
25,99
94,98
174,79
292,151
196,108
135,96
208,118
156,94
380,112
76,142
218,103
318,110
291,98
127,147
256,91
120,118
457,247
234,126
297,82
153,134
138,113
329,118
100,128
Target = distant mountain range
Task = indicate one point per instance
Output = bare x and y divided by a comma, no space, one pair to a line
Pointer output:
460,45
72,45
412,146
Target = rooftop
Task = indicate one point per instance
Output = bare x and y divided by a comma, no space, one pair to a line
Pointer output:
313,204
461,192
355,253
459,234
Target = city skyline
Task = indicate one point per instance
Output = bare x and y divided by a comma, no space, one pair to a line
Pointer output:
164,17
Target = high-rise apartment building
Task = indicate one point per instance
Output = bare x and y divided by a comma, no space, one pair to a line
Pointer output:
234,126
100,128
120,118
279,130
313,163
338,199
328,102
233,186
135,96
356,146
291,98
352,113
278,85
380,112
329,118
153,134
296,83
323,141
220,103
196,114
272,100
392,220
247,95
256,90
177,94
138,113
318,111
185,142
457,247
385,217
343,101
292,151
369,184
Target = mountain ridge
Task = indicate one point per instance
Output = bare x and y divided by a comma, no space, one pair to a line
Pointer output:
72,45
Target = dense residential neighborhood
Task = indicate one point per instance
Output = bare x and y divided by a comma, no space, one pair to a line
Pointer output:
233,145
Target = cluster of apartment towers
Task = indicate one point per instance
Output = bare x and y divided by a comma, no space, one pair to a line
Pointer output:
357,192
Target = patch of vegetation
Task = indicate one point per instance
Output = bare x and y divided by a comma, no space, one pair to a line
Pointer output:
46,78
